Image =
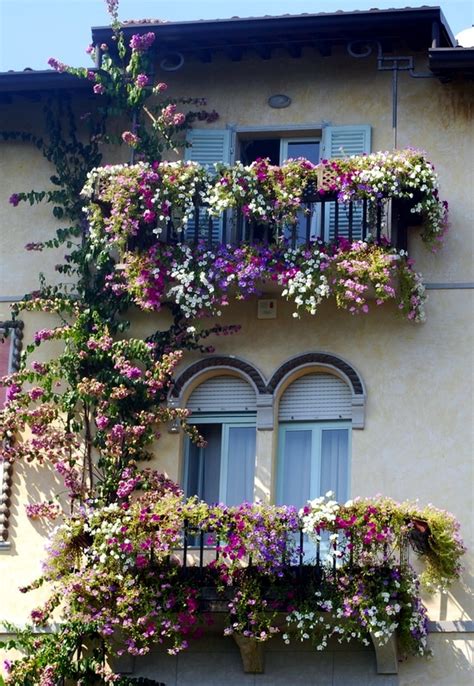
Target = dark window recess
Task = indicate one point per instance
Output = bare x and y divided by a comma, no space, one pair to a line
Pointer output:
264,147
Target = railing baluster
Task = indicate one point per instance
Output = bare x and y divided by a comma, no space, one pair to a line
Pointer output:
309,216
364,219
224,227
240,226
351,215
201,552
322,230
334,557
251,234
196,222
185,544
351,551
318,553
379,221
294,228
336,221
209,231
301,551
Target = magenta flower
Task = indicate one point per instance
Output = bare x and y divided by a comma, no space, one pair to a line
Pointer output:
99,89
142,80
14,199
57,65
142,43
130,138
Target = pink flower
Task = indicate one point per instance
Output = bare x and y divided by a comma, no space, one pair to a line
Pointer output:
142,80
130,138
149,216
99,89
160,87
179,119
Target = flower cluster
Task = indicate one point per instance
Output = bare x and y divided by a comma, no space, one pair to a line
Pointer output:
201,281
264,193
47,510
116,570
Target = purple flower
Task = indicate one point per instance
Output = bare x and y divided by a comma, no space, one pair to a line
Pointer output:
13,391
102,422
142,80
14,199
142,43
99,89
57,65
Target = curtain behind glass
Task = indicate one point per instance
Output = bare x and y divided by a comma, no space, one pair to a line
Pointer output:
204,465
296,472
240,464
334,462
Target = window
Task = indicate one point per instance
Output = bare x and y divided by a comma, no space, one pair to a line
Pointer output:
313,459
208,146
224,410
314,439
224,470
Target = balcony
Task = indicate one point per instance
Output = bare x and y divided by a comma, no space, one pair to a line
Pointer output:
338,229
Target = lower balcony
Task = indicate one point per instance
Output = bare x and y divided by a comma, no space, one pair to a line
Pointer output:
149,570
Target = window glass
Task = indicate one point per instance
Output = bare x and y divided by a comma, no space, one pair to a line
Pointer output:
309,149
224,469
312,460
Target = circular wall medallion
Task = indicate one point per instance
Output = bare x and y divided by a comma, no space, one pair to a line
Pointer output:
279,101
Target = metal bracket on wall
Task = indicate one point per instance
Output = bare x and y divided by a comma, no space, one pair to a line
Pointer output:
397,63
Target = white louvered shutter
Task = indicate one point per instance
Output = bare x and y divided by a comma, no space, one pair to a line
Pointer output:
207,146
344,141
223,394
316,397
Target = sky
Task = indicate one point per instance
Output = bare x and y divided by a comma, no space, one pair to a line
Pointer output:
31,31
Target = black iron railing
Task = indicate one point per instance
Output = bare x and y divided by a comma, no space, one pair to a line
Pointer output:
201,547
322,218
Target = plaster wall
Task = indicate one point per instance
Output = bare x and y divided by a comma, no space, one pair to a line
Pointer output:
418,439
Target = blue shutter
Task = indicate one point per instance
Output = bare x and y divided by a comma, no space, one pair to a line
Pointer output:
344,141
207,146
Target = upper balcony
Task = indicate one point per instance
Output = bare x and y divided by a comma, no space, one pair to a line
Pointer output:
172,228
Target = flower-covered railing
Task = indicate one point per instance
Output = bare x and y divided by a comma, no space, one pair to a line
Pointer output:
316,230
118,570
142,203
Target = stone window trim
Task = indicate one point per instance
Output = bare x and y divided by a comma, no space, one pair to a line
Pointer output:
15,330
269,392
323,362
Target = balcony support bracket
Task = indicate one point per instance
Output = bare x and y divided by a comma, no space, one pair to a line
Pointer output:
251,652
386,655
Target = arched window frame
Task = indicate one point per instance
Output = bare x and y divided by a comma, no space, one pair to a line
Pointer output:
268,393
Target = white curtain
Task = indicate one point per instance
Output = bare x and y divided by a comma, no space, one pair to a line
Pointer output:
334,462
295,474
241,443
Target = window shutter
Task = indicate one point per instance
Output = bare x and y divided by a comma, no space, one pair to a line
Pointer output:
316,397
344,141
223,394
207,146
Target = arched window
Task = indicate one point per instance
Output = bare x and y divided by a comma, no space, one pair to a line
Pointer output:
224,410
314,416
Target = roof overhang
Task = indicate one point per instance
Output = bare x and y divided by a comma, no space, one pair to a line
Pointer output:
447,63
419,28
31,81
